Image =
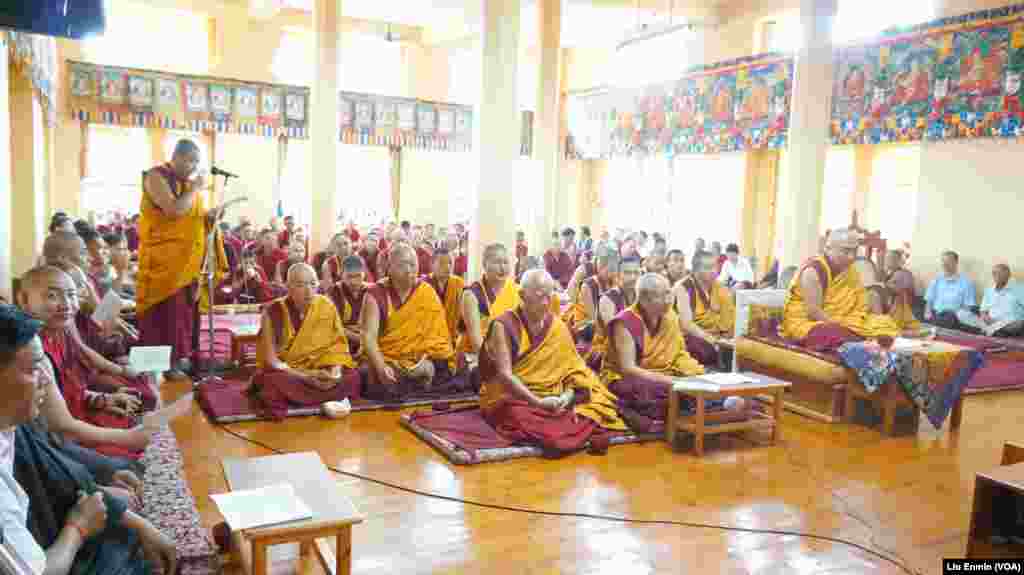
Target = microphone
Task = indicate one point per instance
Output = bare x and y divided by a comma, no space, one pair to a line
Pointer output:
215,171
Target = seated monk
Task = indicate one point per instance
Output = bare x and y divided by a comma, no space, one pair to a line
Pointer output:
605,278
535,387
303,353
405,334
247,284
339,249
494,294
99,270
296,255
95,389
675,266
449,289
654,264
268,255
899,285
706,310
68,252
1002,307
646,352
347,296
827,306
611,304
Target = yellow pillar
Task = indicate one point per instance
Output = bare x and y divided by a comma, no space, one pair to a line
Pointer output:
323,122
863,158
554,211
28,175
800,198
496,131
7,216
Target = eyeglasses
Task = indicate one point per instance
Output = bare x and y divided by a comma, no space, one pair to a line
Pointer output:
310,285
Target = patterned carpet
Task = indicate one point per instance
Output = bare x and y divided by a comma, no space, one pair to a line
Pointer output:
168,503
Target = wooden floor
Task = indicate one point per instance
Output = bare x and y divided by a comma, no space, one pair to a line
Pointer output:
907,497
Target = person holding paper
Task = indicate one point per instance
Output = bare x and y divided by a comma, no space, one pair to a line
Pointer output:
1002,307
172,248
706,310
52,512
303,354
647,351
247,284
96,390
535,386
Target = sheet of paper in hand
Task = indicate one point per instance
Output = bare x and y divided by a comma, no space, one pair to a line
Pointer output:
150,359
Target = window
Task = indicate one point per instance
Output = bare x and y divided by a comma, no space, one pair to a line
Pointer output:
140,36
892,204
115,161
779,34
364,183
255,159
707,199
637,193
861,19
296,194
367,64
463,76
837,194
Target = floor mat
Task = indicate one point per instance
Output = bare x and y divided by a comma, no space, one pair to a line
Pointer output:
1003,369
168,504
230,402
464,438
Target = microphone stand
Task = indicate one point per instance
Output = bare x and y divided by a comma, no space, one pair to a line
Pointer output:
211,370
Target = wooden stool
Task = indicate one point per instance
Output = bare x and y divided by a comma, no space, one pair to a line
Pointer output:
238,343
334,513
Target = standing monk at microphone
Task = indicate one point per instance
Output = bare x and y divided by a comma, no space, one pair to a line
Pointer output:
172,246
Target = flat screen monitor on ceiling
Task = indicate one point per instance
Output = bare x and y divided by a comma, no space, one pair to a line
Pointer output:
67,18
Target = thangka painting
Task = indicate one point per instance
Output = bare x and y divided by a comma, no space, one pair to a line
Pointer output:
955,78
732,106
118,96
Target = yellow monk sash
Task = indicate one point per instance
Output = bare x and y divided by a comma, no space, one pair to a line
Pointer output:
507,299
171,249
713,310
319,343
845,301
663,352
414,329
452,302
548,365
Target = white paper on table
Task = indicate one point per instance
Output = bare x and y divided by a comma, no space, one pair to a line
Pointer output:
150,359
727,379
108,309
693,384
271,505
903,343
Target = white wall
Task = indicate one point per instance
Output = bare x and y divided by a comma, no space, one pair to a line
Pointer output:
5,177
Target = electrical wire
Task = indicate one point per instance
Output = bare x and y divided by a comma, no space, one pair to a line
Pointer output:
576,515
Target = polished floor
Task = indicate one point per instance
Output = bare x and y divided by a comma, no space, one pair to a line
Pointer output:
908,497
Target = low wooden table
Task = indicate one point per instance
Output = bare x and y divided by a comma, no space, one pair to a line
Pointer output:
702,423
334,513
989,488
242,336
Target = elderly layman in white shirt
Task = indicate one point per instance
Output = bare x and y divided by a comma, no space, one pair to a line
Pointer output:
736,271
1002,307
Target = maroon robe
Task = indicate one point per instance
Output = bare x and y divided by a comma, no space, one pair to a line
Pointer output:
560,265
341,295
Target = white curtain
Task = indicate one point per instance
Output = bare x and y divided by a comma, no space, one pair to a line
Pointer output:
255,160
437,186
116,159
892,203
707,199
837,195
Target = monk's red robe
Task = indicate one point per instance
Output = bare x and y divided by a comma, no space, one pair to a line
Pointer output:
79,383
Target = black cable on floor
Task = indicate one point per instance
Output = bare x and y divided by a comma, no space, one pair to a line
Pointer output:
570,514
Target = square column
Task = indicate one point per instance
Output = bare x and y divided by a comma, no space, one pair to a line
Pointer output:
546,132
323,123
799,205
496,132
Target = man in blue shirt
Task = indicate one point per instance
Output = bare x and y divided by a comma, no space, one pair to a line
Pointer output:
948,294
1002,307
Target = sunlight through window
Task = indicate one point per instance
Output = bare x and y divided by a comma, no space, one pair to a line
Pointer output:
862,19
142,36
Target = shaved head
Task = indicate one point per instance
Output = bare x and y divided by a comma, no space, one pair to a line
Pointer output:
49,295
653,294
535,293
403,265
650,283
402,249
494,250
536,278
39,278
301,272
64,246
302,284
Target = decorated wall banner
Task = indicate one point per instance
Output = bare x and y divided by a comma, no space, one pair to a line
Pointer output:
121,96
403,122
729,106
35,57
952,78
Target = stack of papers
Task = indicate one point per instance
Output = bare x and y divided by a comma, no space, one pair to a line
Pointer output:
902,343
712,382
728,379
271,505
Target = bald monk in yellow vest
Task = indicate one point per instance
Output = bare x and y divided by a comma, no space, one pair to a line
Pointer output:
536,388
827,304
172,233
405,335
489,297
706,310
647,351
303,354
